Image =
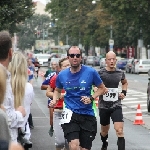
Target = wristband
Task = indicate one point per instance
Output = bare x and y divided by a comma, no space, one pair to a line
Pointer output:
124,92
91,98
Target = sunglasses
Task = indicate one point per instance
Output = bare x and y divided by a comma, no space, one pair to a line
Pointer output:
72,55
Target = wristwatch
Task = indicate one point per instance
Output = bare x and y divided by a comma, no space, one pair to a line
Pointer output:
91,98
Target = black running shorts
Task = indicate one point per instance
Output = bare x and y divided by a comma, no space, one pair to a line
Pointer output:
115,114
82,127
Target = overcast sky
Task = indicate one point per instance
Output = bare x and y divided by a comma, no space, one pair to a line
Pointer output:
43,1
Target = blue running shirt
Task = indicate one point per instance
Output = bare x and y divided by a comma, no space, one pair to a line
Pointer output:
48,78
77,85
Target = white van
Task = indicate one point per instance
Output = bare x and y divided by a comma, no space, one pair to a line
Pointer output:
42,59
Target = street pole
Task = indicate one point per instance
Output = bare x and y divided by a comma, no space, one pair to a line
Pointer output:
15,42
111,32
67,39
111,41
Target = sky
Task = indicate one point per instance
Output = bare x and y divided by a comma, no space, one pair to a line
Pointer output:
42,1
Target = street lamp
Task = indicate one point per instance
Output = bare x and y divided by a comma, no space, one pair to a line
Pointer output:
94,2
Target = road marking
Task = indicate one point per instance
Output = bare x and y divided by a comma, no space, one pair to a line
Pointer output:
133,102
133,106
39,117
140,95
131,112
131,98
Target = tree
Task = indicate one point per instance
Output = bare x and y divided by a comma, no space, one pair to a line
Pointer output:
82,21
34,28
89,23
12,12
132,19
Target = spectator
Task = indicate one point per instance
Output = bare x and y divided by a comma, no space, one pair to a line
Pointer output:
18,70
15,116
4,131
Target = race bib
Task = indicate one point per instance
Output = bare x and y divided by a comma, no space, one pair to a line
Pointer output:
36,68
31,72
112,95
66,116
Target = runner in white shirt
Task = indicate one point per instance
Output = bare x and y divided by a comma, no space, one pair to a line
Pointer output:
15,116
18,70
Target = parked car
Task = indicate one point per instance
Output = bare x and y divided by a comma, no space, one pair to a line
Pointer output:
84,58
97,58
102,63
90,60
142,65
121,64
133,63
128,66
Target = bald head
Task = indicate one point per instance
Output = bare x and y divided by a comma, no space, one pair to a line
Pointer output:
110,54
110,60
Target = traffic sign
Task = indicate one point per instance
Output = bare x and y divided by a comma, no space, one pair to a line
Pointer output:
111,47
111,42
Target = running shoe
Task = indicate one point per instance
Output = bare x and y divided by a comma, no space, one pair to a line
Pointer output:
104,147
51,131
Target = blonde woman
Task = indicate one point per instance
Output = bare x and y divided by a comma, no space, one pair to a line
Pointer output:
22,90
4,130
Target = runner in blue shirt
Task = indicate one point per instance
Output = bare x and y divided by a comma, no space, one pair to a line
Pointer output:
32,70
44,86
78,119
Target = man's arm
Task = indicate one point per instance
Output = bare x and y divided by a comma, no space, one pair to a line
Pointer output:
124,89
49,92
44,87
56,96
101,90
124,84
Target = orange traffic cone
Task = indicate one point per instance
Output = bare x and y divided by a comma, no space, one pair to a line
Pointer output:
138,117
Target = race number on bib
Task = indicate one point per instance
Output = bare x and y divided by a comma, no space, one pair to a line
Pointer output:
36,68
112,95
66,116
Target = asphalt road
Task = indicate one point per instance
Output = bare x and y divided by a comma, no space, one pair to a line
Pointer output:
137,137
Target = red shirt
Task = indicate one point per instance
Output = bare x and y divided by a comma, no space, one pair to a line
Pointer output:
53,85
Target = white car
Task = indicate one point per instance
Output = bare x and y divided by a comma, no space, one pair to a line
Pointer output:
42,59
102,63
142,65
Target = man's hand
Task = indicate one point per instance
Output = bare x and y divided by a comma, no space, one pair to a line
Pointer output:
105,91
62,95
2,107
85,99
22,110
52,103
121,96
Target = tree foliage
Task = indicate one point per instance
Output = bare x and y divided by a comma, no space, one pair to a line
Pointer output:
34,28
12,12
132,19
90,24
80,20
